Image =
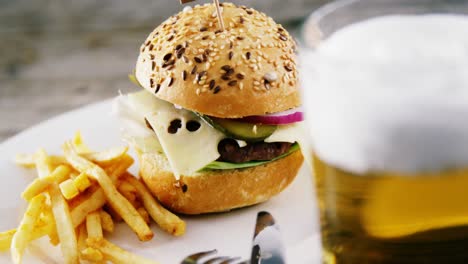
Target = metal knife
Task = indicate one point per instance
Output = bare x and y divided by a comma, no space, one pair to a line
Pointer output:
268,247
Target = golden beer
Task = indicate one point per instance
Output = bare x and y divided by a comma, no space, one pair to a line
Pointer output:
386,94
392,217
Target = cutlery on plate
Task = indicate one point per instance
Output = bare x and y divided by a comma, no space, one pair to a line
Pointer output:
267,246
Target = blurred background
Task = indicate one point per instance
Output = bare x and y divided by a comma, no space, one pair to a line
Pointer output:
57,55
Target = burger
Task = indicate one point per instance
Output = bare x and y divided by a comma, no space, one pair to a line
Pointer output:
218,123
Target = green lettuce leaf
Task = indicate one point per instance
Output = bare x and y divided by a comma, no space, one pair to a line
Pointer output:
221,165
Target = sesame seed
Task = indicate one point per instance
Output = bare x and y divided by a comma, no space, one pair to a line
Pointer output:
151,83
217,89
203,29
153,65
288,68
231,54
256,83
167,57
241,20
271,76
232,83
212,84
241,85
198,60
226,68
248,55
151,47
240,38
178,47
231,44
185,59
152,56
283,37
184,75
226,77
240,76
267,86
158,86
198,91
180,52
171,37
194,70
170,81
168,63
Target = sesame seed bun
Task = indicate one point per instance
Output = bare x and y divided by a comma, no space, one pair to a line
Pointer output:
248,69
217,191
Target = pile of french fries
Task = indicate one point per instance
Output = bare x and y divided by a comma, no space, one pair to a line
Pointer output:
78,197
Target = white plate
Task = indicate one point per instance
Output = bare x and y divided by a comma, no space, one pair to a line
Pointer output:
230,233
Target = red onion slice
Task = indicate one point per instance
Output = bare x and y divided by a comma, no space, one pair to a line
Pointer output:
281,118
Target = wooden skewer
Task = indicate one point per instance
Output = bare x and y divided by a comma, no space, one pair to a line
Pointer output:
220,15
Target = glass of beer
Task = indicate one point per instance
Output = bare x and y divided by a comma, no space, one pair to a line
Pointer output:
386,97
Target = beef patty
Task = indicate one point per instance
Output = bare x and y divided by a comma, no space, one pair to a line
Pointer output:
260,151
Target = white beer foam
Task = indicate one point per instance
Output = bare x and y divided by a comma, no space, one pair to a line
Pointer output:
391,94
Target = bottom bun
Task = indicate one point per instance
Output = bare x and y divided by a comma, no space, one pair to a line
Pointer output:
217,190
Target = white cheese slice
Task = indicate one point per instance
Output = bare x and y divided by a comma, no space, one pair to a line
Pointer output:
296,132
186,151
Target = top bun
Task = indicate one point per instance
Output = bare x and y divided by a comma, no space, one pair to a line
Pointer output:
248,69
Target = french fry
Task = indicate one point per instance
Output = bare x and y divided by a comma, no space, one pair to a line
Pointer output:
95,201
43,164
114,198
81,182
82,236
28,160
142,211
5,239
93,224
116,254
22,236
68,189
130,196
106,157
98,198
127,187
106,221
64,225
79,145
47,218
168,221
65,228
119,168
91,254
39,185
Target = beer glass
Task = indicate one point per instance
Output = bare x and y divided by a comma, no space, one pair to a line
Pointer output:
406,200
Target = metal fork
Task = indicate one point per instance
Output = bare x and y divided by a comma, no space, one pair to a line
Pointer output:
197,259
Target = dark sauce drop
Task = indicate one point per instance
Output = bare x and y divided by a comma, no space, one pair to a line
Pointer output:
174,126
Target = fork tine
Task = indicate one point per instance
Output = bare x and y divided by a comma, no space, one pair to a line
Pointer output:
192,259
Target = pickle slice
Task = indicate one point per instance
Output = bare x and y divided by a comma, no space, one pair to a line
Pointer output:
240,130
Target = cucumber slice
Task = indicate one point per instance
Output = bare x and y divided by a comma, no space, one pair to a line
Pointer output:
240,130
